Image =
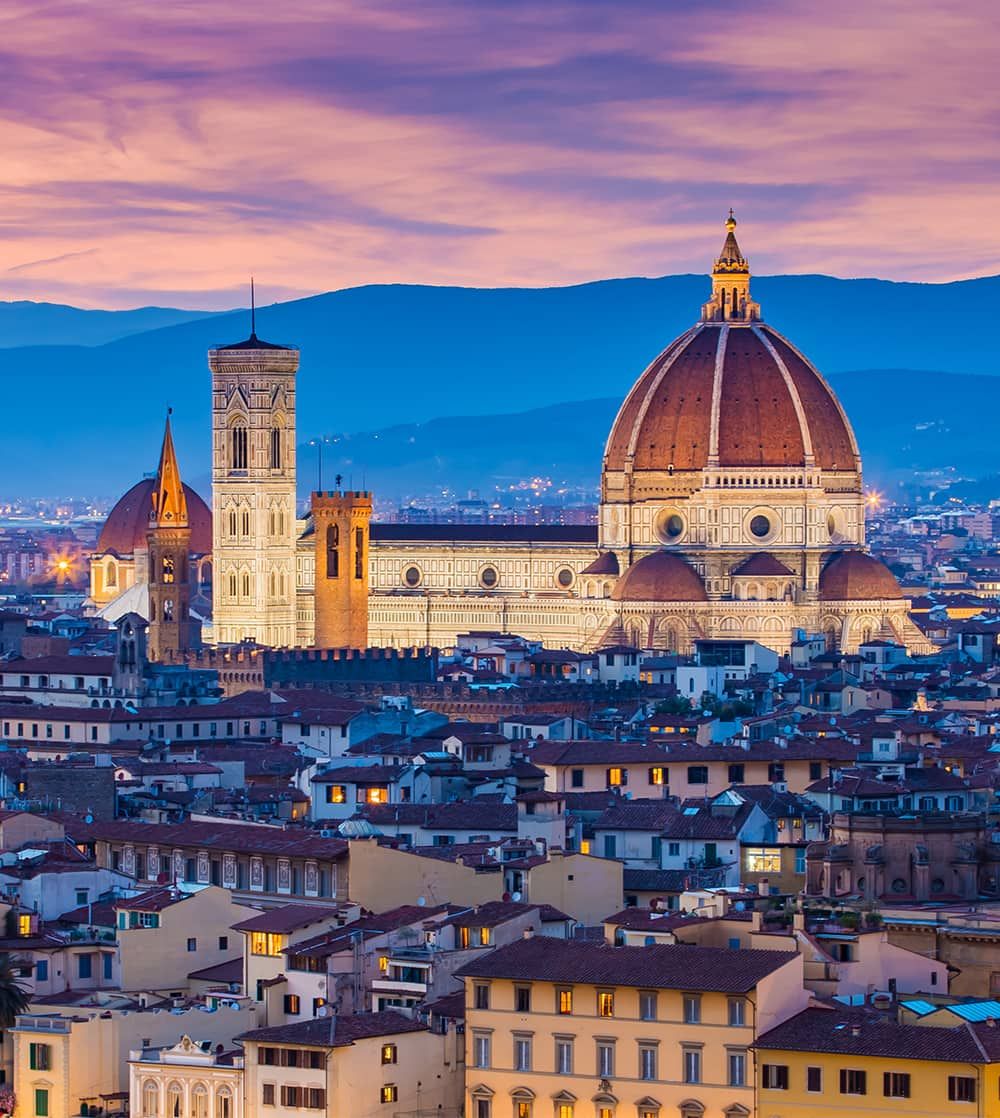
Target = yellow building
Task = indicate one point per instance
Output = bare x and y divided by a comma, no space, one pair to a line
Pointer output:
583,1030
166,933
832,1061
367,1065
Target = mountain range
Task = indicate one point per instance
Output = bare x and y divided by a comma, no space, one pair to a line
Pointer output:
462,387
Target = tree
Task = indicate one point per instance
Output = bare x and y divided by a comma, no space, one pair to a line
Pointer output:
14,997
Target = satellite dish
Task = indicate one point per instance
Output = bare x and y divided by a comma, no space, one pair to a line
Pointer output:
421,901
516,897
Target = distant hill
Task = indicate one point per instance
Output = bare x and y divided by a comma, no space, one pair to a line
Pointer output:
906,421
26,324
374,358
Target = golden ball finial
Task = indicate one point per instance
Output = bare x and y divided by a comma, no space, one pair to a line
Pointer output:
731,220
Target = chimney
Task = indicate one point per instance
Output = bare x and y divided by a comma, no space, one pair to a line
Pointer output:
528,933
855,1030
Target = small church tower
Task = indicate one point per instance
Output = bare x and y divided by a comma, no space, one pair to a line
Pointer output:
341,523
253,491
169,541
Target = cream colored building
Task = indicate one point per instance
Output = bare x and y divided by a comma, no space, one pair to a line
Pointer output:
731,505
167,932
369,1065
72,1055
253,492
579,1030
189,1078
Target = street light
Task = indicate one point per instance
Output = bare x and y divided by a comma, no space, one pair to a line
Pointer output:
318,443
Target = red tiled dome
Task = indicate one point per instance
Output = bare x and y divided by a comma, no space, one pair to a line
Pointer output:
128,522
660,577
738,393
857,576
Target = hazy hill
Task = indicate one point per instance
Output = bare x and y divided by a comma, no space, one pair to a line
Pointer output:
25,323
379,357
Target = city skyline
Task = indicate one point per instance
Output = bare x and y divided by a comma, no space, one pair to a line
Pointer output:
156,157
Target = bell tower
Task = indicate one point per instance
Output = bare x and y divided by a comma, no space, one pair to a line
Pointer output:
341,522
253,491
169,542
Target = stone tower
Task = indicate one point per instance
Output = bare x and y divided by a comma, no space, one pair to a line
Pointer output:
169,542
253,491
341,529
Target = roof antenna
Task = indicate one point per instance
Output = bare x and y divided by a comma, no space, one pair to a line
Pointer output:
253,312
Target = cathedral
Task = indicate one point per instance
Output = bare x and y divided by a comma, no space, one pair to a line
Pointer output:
731,506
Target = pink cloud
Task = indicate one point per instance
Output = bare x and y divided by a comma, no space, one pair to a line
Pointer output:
159,153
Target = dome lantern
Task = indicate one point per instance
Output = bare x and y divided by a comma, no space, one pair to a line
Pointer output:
731,300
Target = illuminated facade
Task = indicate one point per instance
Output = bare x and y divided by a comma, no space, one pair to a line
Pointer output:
731,505
253,492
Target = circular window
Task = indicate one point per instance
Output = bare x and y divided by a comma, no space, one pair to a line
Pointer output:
564,578
412,576
835,525
488,577
898,885
670,526
760,525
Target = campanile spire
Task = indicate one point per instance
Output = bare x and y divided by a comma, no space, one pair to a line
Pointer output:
731,300
169,502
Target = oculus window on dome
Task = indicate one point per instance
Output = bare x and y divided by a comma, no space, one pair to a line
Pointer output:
670,526
489,578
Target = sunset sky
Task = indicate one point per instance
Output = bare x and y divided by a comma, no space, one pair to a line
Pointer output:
158,152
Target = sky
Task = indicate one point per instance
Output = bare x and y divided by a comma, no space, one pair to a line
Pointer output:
159,152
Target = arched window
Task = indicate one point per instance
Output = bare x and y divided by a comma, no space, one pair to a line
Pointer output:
175,1100
167,568
359,553
273,582
168,609
150,1099
232,584
199,1101
246,584
232,522
333,551
272,522
275,448
281,584
238,447
224,1103
111,575
245,522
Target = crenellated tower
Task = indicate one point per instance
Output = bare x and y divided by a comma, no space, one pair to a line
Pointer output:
169,542
253,491
341,521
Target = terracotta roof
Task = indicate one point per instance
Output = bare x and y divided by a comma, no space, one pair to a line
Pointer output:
61,665
762,563
292,842
655,881
649,920
153,900
661,966
857,576
336,1031
637,815
605,564
667,418
460,815
229,971
844,1031
127,524
286,918
660,577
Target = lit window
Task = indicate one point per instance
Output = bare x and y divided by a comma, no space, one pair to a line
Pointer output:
376,796
605,1003
585,846
565,1000
383,964
657,775
388,1053
616,777
336,794
389,1093
265,943
24,925
763,860
484,937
